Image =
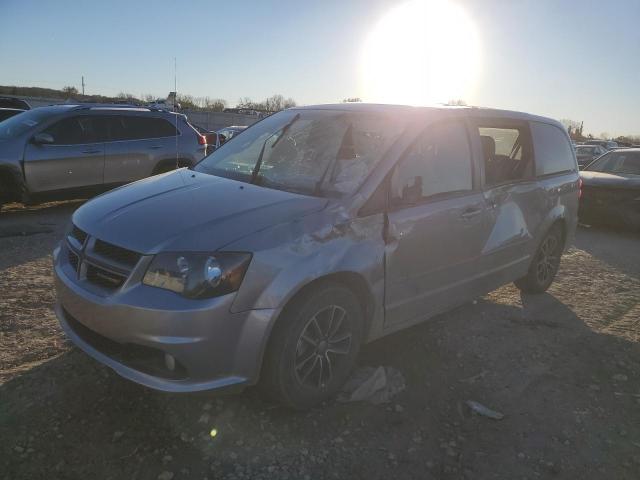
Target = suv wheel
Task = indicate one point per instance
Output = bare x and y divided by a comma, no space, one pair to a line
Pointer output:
313,348
545,263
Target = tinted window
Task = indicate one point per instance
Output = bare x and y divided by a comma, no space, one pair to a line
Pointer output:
137,128
4,114
22,122
439,162
506,153
77,130
618,162
552,148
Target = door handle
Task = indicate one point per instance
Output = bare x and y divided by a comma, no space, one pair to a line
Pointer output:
470,213
91,151
155,147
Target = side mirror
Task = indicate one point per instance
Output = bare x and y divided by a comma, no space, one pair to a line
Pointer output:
42,139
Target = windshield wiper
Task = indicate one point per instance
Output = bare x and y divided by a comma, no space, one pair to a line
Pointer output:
348,136
256,169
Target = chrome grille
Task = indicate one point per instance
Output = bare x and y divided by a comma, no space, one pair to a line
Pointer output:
99,263
78,234
74,260
118,254
104,278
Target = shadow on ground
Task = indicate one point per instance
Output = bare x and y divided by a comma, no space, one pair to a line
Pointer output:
570,397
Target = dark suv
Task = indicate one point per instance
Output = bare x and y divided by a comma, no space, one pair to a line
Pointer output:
73,151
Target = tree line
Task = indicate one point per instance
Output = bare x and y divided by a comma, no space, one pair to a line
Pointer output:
273,103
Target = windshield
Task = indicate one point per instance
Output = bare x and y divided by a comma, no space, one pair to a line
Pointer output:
314,152
589,149
618,162
22,122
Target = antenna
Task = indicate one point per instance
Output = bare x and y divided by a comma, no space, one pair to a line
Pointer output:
175,102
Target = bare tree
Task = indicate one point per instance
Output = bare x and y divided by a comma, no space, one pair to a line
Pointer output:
69,90
215,104
351,100
456,103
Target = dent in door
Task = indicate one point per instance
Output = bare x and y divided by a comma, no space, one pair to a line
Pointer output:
509,227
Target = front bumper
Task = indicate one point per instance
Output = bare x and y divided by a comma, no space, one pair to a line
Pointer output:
132,331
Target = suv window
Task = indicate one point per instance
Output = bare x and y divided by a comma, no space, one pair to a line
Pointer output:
552,148
438,163
139,128
77,130
506,153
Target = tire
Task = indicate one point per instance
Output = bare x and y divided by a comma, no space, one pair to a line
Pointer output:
545,263
313,347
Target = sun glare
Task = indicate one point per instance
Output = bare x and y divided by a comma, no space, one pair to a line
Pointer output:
421,52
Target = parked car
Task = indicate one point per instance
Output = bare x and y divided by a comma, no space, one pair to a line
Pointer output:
210,137
318,229
228,133
587,153
611,189
12,102
9,112
608,144
73,151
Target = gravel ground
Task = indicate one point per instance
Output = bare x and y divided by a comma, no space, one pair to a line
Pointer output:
563,368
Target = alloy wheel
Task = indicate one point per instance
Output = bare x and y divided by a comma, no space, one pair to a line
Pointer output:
322,347
547,259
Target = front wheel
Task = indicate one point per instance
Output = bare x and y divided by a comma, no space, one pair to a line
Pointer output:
545,263
313,347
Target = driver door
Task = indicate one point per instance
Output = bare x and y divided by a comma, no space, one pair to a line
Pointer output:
436,227
74,159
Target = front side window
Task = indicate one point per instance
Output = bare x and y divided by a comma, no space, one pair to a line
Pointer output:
19,124
552,149
619,162
438,163
506,154
315,152
76,131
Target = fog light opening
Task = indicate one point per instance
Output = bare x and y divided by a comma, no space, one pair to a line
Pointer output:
170,362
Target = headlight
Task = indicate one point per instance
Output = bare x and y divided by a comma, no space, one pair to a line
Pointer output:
198,275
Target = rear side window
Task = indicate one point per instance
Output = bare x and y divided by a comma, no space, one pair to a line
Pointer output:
552,149
506,152
438,163
139,128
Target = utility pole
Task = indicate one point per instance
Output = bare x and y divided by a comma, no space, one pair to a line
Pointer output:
82,84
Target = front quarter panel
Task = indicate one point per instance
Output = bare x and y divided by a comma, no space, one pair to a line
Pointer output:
289,256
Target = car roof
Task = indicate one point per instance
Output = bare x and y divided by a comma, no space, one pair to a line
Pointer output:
462,110
103,107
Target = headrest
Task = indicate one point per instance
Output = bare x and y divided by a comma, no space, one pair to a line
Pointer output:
488,146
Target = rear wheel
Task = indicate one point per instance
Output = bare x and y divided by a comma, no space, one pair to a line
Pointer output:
313,347
545,263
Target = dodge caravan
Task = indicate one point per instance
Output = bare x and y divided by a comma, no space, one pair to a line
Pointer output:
318,229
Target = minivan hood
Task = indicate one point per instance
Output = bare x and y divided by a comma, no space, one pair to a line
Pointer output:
188,211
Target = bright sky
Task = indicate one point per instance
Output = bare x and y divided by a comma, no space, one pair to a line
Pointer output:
560,58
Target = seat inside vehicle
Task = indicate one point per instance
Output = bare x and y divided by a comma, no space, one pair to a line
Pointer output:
506,156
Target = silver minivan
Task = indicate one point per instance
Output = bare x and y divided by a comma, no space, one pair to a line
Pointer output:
318,229
75,151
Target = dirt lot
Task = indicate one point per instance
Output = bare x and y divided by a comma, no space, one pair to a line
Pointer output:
563,368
